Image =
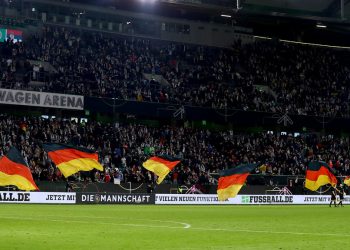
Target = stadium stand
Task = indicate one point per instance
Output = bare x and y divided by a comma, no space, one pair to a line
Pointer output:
124,147
265,76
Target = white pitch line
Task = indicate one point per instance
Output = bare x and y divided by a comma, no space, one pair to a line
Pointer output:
142,225
269,232
185,225
29,233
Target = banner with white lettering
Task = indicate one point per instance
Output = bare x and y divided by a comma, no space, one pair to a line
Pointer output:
317,199
110,198
41,99
38,197
188,199
210,199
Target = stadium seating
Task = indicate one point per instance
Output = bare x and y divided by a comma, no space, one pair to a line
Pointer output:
124,147
264,76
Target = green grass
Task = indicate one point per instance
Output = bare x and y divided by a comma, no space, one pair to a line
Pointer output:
173,227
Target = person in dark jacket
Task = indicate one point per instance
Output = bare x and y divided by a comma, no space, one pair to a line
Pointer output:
333,197
341,195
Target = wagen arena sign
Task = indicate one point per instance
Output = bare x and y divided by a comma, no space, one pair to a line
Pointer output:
41,99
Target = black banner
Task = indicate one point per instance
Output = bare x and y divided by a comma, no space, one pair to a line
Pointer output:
234,116
112,198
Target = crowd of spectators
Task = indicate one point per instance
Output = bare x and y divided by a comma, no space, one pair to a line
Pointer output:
123,148
296,79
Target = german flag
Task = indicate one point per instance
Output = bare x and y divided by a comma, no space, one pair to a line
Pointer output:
70,159
347,181
232,180
160,165
318,174
15,171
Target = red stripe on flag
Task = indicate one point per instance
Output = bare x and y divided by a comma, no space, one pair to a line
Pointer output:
168,164
65,155
12,168
313,175
227,181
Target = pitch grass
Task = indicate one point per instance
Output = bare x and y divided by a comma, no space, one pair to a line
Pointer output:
173,227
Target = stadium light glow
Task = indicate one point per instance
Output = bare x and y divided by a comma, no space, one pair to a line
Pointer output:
263,37
225,15
319,25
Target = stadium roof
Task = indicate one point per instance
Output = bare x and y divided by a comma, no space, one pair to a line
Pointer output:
323,10
299,8
306,20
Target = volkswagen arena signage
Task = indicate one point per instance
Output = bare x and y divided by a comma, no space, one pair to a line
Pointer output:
41,99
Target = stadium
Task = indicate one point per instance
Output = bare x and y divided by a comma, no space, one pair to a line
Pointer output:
174,124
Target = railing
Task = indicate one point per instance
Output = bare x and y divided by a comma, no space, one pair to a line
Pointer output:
239,118
49,186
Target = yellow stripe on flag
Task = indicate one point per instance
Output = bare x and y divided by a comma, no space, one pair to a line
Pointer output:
16,180
160,169
231,191
314,185
81,164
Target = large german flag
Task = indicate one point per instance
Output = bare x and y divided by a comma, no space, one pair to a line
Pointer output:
160,165
318,174
70,159
232,180
14,171
347,181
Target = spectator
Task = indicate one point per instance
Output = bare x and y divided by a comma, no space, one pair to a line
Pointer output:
295,79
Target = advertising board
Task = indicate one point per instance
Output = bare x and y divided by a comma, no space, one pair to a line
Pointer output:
37,197
110,198
208,199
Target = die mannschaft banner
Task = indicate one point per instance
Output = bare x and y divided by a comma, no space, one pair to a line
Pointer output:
41,99
112,198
